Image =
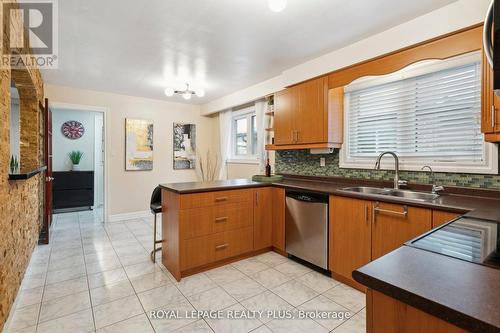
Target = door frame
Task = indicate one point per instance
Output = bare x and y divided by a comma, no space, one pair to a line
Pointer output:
104,110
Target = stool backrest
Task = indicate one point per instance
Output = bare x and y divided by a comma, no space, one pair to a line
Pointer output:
156,196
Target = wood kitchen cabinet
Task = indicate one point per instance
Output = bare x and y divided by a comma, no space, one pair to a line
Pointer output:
490,105
263,218
388,315
361,231
278,232
393,225
308,115
285,108
349,237
440,217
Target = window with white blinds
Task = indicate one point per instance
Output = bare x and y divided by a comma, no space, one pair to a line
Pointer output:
429,113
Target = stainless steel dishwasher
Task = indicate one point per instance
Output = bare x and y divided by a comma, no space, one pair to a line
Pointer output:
306,227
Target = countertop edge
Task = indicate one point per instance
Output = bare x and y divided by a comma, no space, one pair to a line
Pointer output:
448,314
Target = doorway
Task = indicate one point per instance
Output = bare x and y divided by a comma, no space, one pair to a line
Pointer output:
79,160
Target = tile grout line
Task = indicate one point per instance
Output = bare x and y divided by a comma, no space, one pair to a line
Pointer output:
86,274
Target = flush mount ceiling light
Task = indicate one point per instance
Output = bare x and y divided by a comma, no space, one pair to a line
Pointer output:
186,93
277,5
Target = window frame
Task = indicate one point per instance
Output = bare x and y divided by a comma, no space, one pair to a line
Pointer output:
249,158
489,163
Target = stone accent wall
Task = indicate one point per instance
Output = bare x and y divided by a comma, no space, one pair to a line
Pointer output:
20,201
301,162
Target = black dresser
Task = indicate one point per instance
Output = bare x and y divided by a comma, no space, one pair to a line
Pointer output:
73,189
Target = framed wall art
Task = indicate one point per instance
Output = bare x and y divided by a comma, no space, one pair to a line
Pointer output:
184,146
138,145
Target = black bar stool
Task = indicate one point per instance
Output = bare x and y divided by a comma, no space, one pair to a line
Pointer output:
155,209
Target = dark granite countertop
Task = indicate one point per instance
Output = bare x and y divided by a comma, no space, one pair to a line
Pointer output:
210,186
463,293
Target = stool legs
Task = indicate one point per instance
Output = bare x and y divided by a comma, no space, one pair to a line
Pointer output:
153,253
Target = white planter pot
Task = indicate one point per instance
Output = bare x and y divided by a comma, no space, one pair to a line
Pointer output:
76,167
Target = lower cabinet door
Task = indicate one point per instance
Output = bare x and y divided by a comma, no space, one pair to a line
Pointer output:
350,235
393,225
263,218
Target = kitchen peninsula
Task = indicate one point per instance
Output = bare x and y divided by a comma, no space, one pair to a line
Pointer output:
209,224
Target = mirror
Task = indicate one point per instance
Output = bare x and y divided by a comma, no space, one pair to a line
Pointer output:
15,130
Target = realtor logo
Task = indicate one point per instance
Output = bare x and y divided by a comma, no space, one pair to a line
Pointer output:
31,29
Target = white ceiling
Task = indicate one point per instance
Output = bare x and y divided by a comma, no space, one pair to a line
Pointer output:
139,48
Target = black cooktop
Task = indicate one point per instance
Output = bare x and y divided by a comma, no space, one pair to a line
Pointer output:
469,239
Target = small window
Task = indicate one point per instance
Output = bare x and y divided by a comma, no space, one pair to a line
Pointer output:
428,113
244,135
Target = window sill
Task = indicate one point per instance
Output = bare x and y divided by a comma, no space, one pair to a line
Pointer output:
243,161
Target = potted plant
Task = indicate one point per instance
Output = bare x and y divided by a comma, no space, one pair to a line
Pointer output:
14,164
75,156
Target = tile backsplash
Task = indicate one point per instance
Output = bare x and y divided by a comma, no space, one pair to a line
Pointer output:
301,162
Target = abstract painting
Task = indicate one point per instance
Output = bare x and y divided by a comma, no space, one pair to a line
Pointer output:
184,146
138,145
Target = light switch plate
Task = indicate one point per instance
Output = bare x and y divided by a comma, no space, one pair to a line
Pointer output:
322,162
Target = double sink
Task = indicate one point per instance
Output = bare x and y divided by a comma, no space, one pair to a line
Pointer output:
411,195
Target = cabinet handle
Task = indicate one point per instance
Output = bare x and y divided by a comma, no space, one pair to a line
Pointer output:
386,211
221,219
293,136
297,138
220,199
221,247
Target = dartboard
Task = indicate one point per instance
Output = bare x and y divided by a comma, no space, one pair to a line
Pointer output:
73,129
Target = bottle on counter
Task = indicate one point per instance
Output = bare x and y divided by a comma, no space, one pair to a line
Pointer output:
268,169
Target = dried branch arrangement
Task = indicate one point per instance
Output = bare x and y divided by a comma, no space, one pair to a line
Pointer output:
208,165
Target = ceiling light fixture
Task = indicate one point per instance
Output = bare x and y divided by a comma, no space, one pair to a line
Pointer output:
277,5
186,93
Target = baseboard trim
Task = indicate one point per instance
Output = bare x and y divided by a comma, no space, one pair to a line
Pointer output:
129,216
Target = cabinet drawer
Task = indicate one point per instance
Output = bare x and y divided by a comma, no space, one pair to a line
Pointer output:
232,216
214,198
204,250
233,243
205,221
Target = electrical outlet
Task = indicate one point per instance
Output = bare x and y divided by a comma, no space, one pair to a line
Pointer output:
322,162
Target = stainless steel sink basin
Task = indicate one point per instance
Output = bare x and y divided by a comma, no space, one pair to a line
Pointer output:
410,195
413,195
367,190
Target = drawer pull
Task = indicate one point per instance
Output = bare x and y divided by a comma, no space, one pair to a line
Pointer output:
221,247
221,219
220,199
386,211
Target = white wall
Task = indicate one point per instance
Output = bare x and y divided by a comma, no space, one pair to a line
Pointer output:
458,15
62,145
130,191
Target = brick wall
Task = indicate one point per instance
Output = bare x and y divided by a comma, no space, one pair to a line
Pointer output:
20,201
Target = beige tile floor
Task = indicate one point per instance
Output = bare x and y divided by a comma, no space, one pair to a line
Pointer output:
97,277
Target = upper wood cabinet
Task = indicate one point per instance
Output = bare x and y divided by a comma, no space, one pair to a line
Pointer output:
490,105
308,115
285,108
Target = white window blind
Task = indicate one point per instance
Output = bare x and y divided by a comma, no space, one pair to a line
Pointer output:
432,117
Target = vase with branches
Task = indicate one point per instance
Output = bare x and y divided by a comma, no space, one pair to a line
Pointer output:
208,165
